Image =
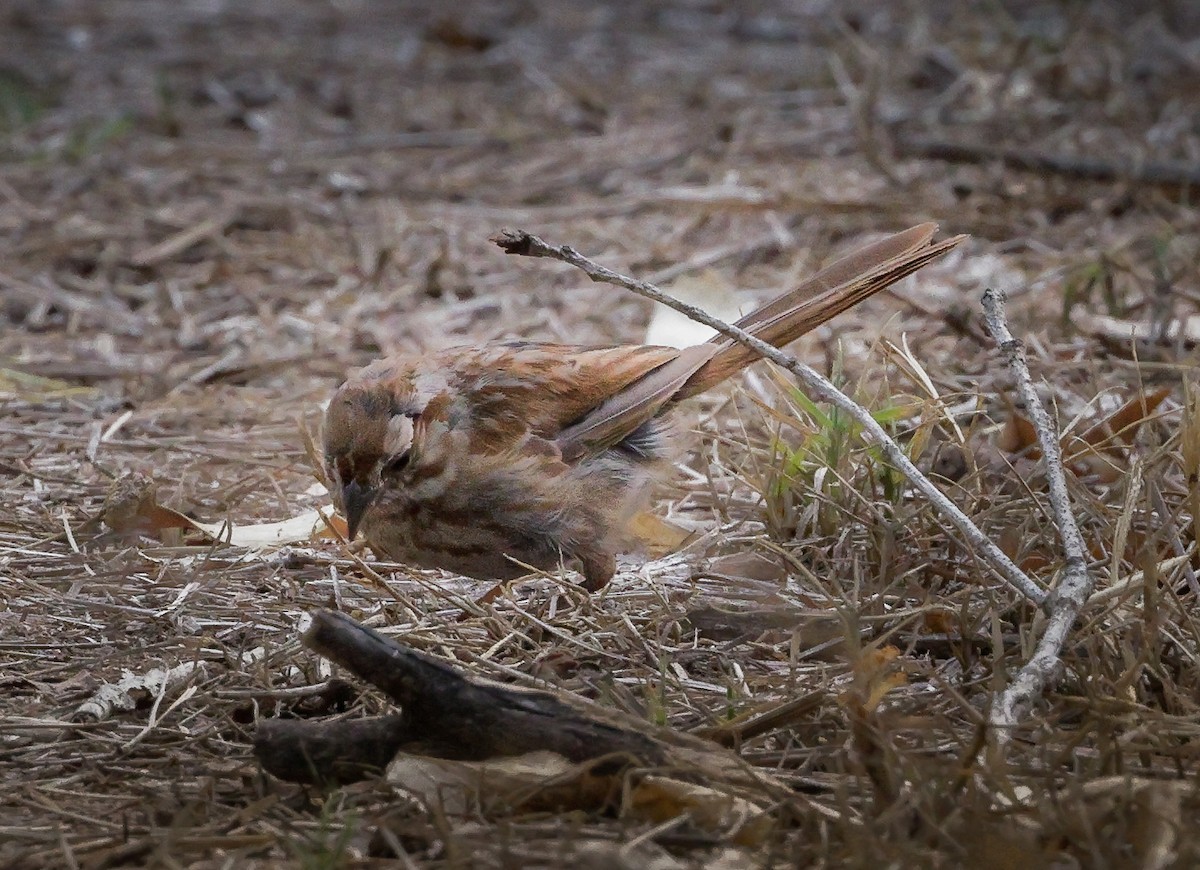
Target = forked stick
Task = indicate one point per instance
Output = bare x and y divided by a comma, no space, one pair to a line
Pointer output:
1072,592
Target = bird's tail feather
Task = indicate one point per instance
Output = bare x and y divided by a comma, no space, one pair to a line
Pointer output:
836,288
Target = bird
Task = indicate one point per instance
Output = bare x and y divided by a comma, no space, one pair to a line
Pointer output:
498,459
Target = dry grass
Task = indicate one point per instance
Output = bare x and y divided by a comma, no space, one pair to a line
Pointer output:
211,215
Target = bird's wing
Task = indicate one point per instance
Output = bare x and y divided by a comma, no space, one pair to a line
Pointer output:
581,398
623,412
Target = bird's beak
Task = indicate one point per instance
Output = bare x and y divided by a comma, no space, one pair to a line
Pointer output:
355,501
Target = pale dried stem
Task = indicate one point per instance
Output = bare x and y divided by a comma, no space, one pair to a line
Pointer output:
820,387
1075,585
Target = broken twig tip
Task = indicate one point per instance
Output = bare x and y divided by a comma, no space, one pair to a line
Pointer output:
516,242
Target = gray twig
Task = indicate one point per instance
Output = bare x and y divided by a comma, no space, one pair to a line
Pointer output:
525,244
1075,585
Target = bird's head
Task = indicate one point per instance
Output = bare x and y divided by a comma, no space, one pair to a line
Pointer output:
368,439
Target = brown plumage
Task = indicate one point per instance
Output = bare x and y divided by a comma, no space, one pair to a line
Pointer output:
486,459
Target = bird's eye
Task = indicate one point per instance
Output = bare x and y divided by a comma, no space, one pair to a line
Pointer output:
396,463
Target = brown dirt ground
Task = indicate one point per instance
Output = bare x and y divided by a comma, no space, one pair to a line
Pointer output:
211,211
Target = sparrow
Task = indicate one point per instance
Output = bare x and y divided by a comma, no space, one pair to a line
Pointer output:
497,459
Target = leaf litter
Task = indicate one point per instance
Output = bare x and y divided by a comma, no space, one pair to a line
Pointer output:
202,246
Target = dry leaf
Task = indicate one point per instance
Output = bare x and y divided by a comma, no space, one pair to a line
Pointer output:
875,659
1011,540
502,786
875,675
659,798
1124,422
307,526
1018,435
1098,452
657,535
131,507
547,782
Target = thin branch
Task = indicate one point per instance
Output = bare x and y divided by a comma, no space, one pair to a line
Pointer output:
1071,594
524,244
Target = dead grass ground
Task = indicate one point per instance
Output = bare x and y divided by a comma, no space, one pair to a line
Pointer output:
212,211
